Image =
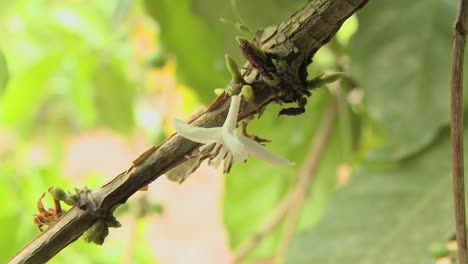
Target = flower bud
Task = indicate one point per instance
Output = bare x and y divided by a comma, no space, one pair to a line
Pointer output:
236,76
248,93
58,193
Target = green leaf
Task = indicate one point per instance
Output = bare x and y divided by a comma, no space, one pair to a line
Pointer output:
80,24
401,57
26,90
254,189
200,60
3,72
384,216
255,14
114,97
81,92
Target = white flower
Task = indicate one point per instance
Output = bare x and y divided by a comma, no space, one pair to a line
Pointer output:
227,144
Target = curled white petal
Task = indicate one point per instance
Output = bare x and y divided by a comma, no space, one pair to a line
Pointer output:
216,161
197,134
260,152
237,149
231,119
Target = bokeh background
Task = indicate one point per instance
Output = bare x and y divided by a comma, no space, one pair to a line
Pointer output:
87,86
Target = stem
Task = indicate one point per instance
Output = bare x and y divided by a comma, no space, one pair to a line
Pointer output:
306,175
133,237
456,122
273,221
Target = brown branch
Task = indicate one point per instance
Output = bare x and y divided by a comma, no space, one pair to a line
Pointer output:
294,200
456,124
294,41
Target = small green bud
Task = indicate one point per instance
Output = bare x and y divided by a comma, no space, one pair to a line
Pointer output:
218,91
280,66
96,233
113,222
91,234
58,193
99,240
272,80
438,250
234,89
234,70
248,93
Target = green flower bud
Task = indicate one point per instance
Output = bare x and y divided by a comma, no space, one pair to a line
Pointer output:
272,80
113,222
280,66
96,233
248,93
102,236
58,193
235,89
236,76
218,91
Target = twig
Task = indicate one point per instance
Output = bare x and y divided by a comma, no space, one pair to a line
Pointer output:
133,230
456,123
293,201
306,175
274,220
294,41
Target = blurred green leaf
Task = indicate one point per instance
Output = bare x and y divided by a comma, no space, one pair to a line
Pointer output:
200,60
3,73
26,90
81,92
255,14
114,97
401,57
122,9
254,189
81,24
385,215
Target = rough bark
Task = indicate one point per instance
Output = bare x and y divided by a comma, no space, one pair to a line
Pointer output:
294,41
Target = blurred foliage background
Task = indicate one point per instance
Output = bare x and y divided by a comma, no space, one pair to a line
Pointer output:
86,86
